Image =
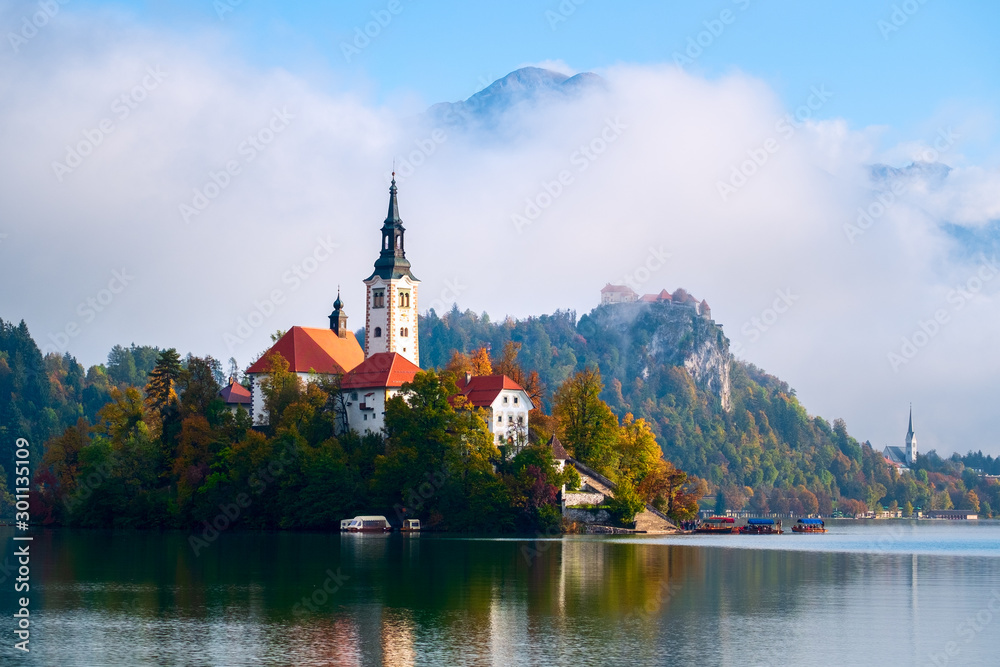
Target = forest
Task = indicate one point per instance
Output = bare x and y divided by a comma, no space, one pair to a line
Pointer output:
144,441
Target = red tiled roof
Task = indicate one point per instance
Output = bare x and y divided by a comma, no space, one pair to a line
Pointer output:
649,297
381,370
234,393
320,350
617,288
482,390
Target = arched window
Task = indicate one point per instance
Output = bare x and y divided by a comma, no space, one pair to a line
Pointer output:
378,332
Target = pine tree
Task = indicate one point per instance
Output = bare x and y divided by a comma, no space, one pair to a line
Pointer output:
160,392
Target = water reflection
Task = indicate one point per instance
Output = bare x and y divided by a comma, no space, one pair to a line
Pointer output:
146,598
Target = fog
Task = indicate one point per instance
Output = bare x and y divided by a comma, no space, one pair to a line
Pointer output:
158,190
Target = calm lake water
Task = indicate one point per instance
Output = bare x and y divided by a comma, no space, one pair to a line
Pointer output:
875,593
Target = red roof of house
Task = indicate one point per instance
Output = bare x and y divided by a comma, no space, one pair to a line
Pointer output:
308,349
649,297
234,393
381,370
617,288
482,390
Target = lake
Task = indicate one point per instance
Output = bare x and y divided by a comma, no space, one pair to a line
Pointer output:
866,593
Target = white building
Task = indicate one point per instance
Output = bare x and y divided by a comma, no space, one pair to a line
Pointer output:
368,387
617,294
391,318
507,406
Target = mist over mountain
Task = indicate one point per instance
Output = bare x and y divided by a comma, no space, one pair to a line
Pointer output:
521,91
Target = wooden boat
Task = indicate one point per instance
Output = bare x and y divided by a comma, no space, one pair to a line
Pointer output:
718,525
809,526
762,527
367,524
410,525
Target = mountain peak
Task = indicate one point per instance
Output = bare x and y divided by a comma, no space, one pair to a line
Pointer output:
524,86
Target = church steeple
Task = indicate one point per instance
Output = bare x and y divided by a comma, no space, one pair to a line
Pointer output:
338,318
392,263
911,441
391,320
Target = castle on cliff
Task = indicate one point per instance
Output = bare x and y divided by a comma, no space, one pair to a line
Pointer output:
611,294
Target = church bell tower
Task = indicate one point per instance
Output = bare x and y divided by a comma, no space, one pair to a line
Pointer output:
391,309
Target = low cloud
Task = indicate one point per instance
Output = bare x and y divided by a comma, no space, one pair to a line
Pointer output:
602,178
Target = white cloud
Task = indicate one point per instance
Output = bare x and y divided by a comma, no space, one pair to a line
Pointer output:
669,138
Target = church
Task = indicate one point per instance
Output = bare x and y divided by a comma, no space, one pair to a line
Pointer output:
391,354
899,458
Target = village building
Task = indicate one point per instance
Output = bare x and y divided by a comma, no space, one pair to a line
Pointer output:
506,404
367,388
903,458
235,396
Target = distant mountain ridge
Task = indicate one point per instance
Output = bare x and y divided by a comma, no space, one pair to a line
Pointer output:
522,87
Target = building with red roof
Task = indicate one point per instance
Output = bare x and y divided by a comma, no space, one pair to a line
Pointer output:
369,385
310,353
506,403
235,396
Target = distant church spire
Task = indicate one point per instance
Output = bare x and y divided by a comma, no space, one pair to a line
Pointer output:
911,441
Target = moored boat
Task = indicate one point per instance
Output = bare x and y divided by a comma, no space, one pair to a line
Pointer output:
410,525
718,525
809,526
367,524
762,527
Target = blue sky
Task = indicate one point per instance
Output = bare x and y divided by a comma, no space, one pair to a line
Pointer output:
941,55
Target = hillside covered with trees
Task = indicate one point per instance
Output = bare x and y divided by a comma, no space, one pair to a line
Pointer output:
766,453
143,440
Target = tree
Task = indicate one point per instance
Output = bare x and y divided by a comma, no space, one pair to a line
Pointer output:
907,509
586,424
198,386
479,362
124,417
160,392
638,451
720,503
759,502
625,504
876,492
971,501
279,386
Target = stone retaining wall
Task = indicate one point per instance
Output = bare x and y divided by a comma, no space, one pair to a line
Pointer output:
587,516
583,498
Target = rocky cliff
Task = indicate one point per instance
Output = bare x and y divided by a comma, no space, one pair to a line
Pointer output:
655,335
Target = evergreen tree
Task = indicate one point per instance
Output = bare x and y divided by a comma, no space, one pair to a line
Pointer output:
160,394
